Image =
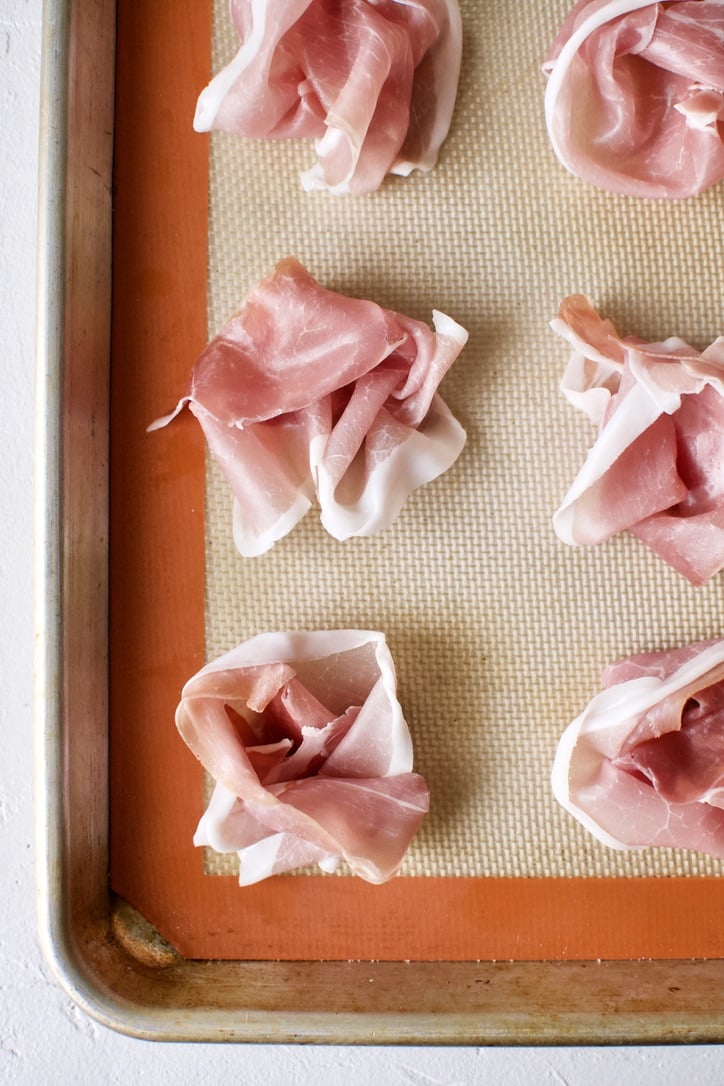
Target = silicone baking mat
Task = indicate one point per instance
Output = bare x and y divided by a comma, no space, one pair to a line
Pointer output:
498,630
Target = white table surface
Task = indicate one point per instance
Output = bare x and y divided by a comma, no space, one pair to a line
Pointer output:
44,1038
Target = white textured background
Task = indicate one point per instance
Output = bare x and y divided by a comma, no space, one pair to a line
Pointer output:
44,1039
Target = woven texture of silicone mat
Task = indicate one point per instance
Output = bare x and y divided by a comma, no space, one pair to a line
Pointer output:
498,630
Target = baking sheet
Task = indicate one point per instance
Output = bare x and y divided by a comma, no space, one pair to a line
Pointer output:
499,631
108,957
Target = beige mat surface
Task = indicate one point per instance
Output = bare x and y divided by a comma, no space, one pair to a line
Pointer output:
499,631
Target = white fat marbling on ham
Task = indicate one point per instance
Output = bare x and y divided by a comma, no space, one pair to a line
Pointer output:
306,393
643,765
657,465
311,755
372,82
635,96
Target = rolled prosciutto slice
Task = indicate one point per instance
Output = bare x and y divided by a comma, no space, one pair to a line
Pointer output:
657,465
372,82
643,765
307,393
312,758
635,96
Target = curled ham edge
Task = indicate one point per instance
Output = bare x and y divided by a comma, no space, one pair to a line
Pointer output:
443,65
557,71
204,725
649,399
618,809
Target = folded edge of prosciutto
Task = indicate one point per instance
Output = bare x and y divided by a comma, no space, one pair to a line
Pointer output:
311,756
634,101
643,765
308,393
656,467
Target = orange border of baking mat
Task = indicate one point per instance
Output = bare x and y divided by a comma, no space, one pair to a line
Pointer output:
157,617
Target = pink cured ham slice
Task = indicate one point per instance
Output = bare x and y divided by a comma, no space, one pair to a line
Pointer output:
373,82
644,763
635,96
657,465
309,393
312,758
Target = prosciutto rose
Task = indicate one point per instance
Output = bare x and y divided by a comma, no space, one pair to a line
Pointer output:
644,763
308,393
657,465
635,95
373,82
311,755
